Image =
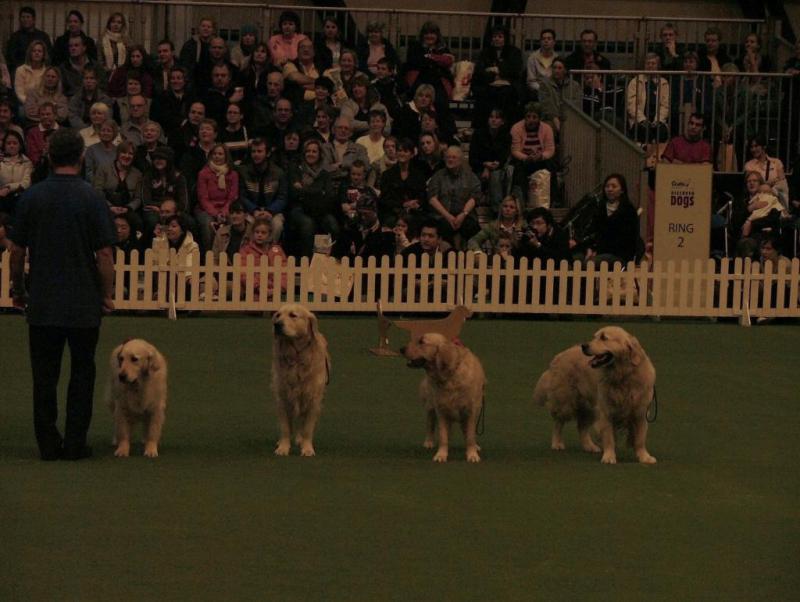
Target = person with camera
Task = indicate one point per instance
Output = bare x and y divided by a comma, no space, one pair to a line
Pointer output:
543,239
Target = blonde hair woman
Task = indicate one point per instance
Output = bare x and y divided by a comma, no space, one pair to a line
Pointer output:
48,90
28,76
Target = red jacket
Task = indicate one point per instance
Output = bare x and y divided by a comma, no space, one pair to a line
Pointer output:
273,255
210,197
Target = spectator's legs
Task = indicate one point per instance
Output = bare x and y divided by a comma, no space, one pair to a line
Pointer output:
46,349
206,232
277,227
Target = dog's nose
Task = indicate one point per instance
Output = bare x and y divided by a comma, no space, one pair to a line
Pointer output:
278,328
122,378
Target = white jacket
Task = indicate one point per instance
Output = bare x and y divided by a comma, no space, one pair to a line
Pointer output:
636,96
16,173
26,78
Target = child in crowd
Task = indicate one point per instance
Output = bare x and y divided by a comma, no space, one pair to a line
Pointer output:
265,253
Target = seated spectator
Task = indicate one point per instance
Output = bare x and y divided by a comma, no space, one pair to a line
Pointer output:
283,45
35,136
312,200
72,68
670,52
342,76
497,79
203,77
114,43
587,57
386,161
405,233
302,73
323,124
430,154
373,139
15,172
453,194
615,225
362,102
221,94
234,135
128,241
162,72
137,62
510,221
532,147
217,188
121,184
29,74
352,190
176,234
541,60
770,250
81,102
689,93
6,118
752,61
122,104
374,48
98,115
770,168
161,181
340,154
253,76
543,239
363,236
283,120
20,40
385,83
289,151
265,251
241,53
403,186
428,62
648,104
555,91
151,140
691,147
264,187
103,152
328,45
604,99
233,235
712,56
764,208
131,128
172,109
430,122
488,153
262,106
195,50
196,153
49,90
430,243
408,120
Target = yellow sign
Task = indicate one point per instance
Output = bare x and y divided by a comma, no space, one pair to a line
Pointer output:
682,211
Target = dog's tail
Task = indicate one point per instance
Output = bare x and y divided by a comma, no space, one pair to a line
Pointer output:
540,392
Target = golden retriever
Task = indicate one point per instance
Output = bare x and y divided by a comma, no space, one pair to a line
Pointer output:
607,383
137,392
452,390
300,372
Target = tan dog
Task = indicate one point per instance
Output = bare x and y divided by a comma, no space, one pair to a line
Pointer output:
137,392
607,383
300,372
452,390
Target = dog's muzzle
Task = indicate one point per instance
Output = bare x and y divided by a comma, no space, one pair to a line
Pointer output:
277,328
123,378
603,359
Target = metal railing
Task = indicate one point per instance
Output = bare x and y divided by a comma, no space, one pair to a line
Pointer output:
651,107
624,39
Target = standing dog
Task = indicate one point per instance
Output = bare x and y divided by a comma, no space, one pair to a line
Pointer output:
300,372
452,390
607,382
137,392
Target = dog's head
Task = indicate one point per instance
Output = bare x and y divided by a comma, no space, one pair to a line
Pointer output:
293,321
134,361
432,351
613,345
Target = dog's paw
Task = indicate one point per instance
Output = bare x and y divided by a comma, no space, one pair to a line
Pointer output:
558,446
308,451
472,456
591,447
151,450
609,458
428,443
646,458
441,456
283,448
123,450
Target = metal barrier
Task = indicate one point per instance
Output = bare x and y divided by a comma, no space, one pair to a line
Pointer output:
736,106
624,38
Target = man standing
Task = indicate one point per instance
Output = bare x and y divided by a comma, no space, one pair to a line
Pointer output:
19,41
64,224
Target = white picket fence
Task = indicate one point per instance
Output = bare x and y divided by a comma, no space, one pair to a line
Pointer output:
732,289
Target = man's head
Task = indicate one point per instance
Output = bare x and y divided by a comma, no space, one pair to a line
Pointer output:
27,18
547,39
452,157
217,49
206,28
165,52
588,41
6,113
197,112
122,225
358,173
669,34
167,209
770,247
533,114
540,221
430,236
694,128
76,48
259,151
305,51
274,85
137,106
66,148
283,112
47,115
342,129
221,77
712,37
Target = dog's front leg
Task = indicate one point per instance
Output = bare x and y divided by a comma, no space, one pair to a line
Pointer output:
430,432
284,443
307,433
153,434
123,434
557,439
606,430
639,440
444,437
470,439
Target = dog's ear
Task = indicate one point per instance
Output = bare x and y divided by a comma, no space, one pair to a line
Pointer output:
313,326
635,351
115,357
446,359
155,361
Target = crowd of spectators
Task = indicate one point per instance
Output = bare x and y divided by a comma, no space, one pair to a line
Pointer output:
215,146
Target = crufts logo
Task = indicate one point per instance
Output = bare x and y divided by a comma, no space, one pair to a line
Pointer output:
682,194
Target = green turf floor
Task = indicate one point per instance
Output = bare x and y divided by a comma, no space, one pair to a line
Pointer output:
218,517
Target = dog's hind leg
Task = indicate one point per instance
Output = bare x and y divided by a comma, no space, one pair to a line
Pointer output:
557,438
430,432
153,426
469,425
585,420
639,439
284,443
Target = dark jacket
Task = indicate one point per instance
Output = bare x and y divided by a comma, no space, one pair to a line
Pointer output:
616,234
61,48
267,189
484,147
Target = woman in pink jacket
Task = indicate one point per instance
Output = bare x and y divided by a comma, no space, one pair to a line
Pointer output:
262,250
217,188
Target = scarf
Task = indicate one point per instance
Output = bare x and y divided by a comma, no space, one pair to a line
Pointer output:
221,171
117,49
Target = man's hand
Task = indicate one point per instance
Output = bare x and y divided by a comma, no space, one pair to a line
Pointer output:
262,214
